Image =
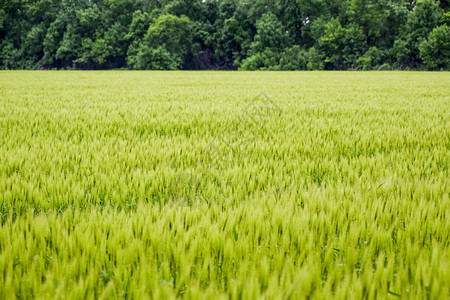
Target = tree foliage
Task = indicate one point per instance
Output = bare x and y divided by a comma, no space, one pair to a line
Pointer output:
435,52
165,44
224,34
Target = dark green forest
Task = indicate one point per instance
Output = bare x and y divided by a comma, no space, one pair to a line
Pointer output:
225,34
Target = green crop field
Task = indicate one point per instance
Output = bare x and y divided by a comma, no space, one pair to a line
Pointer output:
233,185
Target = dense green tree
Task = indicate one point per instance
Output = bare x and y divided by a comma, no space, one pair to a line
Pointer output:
233,33
289,13
314,60
372,16
70,46
136,32
314,14
52,40
421,21
270,40
270,34
193,9
435,52
332,42
293,58
371,59
354,43
224,34
166,43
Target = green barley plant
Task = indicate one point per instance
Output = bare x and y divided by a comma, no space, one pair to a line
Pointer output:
143,185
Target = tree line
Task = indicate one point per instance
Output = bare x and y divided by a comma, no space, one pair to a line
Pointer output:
225,34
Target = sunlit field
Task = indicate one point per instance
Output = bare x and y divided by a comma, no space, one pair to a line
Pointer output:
230,185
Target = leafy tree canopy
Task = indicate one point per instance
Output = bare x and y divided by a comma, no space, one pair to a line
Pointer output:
225,34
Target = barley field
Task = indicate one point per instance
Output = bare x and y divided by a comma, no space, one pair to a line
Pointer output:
224,185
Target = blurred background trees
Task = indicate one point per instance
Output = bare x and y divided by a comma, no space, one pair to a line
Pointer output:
225,34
